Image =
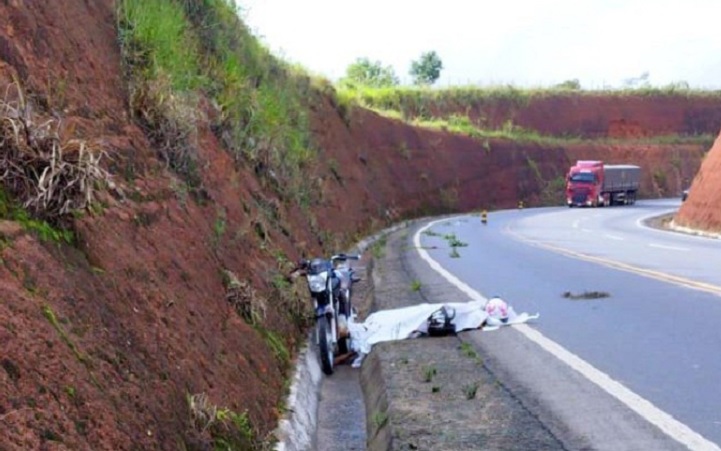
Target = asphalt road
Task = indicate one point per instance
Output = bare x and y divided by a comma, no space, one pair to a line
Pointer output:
635,370
653,342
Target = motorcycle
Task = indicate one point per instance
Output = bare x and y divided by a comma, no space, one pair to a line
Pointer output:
330,283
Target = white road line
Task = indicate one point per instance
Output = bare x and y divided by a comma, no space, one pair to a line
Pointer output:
686,233
673,428
473,294
614,237
671,248
640,222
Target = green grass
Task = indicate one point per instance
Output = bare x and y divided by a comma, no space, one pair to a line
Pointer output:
416,285
49,314
468,351
220,226
379,419
228,429
553,191
470,390
429,372
276,345
453,240
239,428
439,109
513,132
156,36
175,50
417,100
9,209
70,391
378,248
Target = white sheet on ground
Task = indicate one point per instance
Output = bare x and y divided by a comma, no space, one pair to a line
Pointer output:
407,322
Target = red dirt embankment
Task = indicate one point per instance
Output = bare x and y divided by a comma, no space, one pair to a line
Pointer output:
599,115
702,209
103,341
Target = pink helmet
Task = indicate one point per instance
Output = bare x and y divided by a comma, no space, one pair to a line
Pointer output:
497,308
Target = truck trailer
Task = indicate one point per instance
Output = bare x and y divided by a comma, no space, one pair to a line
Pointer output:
591,183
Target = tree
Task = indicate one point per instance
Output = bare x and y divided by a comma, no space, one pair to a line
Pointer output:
427,69
370,73
571,85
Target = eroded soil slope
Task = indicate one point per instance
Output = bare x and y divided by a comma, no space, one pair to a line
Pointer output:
105,340
589,114
702,209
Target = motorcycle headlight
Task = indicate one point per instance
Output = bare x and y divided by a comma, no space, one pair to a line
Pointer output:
317,283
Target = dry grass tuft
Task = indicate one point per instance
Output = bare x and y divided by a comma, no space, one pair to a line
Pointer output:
49,177
244,299
228,429
203,413
171,122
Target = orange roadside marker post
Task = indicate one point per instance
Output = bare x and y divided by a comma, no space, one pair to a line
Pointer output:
484,217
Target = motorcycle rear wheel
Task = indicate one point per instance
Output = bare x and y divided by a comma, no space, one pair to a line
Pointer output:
325,350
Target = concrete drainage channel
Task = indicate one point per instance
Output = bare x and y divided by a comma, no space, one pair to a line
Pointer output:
326,411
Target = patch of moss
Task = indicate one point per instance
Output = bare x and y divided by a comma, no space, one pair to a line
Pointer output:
10,210
49,314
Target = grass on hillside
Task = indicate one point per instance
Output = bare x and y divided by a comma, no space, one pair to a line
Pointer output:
399,97
416,105
464,126
175,50
45,180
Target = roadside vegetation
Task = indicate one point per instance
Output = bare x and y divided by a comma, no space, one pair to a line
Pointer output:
177,53
450,109
45,180
191,66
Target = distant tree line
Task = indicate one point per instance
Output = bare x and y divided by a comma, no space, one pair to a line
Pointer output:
424,71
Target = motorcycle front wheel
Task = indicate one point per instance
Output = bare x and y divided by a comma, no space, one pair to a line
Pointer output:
325,346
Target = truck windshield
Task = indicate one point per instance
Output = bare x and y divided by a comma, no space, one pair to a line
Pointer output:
587,177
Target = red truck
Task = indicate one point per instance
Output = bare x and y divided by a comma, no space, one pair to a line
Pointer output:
590,183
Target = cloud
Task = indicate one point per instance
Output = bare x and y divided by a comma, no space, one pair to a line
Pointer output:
517,41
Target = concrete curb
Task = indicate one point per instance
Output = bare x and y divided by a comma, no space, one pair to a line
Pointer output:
379,434
296,431
688,230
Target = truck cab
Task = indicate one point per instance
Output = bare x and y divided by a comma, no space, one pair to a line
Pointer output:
583,184
591,183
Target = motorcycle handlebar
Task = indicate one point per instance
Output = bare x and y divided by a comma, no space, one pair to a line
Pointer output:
344,257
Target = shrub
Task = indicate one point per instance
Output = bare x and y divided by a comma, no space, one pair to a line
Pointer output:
50,178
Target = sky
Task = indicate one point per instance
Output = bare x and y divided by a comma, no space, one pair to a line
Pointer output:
525,43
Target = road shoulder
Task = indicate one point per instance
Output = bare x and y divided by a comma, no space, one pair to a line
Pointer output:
436,393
